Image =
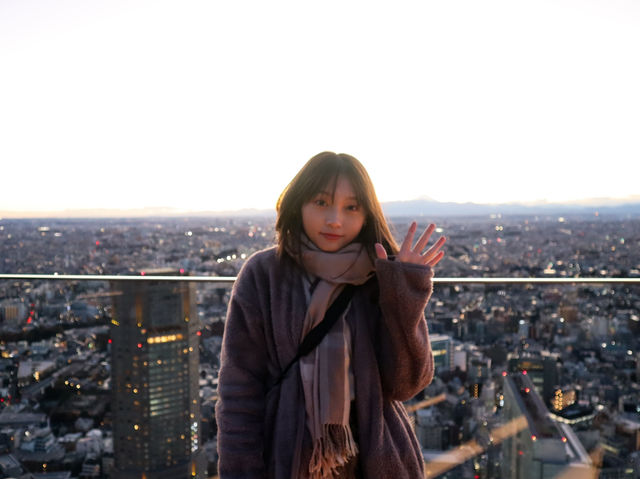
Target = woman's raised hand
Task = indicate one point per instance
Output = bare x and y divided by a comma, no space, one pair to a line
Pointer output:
409,254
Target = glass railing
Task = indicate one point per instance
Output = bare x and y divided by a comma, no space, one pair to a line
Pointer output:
535,377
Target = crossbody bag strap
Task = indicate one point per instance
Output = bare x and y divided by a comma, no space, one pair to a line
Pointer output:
320,330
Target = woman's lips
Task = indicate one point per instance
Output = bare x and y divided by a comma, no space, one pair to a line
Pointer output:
331,236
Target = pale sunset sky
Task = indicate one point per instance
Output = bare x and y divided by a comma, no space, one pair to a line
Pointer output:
211,105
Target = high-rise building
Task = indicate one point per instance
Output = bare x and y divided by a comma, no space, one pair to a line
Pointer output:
154,370
543,448
542,368
12,311
441,347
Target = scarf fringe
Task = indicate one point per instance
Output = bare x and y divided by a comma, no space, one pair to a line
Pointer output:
333,449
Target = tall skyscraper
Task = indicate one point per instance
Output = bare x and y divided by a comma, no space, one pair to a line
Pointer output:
154,370
543,448
442,352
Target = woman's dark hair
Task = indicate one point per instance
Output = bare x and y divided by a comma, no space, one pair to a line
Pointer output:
321,173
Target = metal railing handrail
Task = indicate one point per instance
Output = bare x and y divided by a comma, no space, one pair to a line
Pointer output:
231,279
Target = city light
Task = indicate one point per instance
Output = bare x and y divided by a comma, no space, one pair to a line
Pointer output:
168,338
481,324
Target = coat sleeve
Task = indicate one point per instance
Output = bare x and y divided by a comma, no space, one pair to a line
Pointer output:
404,350
241,385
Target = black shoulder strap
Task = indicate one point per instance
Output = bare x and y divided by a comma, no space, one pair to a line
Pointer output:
316,335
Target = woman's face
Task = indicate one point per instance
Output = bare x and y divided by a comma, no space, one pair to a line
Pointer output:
333,221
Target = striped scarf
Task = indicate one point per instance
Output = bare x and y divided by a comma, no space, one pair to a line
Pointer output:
325,372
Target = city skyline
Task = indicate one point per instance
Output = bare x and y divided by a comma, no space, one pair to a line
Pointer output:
578,344
212,106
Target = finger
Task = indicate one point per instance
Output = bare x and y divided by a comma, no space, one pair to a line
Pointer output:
424,239
408,240
381,253
431,252
435,260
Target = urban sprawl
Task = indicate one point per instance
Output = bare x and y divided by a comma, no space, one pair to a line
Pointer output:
532,379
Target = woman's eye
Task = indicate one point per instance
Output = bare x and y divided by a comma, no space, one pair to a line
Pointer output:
353,207
320,202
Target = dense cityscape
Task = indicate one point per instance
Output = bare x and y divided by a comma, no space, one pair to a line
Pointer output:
565,356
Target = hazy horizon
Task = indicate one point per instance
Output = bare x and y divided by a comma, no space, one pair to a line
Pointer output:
152,211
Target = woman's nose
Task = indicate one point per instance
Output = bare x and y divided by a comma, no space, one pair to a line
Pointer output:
333,218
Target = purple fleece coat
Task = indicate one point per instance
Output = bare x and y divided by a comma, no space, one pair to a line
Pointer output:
262,432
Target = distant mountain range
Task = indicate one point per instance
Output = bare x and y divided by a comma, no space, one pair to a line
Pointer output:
428,207
629,206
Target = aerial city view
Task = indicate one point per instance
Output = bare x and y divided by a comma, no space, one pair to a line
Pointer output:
152,150
533,379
